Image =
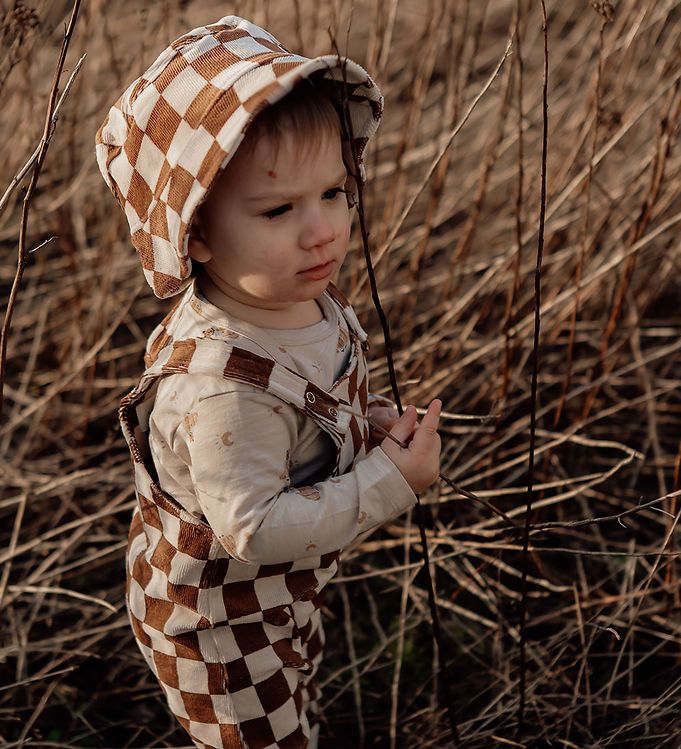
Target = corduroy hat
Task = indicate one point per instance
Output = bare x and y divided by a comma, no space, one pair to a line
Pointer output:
175,127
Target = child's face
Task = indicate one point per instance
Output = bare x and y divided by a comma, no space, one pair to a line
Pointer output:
276,223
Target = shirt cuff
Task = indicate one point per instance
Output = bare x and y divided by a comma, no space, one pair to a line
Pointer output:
383,490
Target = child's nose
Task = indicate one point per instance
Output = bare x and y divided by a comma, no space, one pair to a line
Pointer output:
318,231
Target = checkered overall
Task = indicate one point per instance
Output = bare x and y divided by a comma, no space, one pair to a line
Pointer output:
234,645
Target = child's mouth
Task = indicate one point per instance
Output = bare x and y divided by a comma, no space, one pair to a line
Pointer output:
318,272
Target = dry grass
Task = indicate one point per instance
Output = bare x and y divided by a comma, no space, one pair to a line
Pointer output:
602,650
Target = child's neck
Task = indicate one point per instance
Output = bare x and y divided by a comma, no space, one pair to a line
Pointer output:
299,315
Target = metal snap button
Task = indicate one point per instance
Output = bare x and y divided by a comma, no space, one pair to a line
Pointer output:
310,397
333,412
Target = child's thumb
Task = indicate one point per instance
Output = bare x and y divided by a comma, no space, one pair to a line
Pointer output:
403,428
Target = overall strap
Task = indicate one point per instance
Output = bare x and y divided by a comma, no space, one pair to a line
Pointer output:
348,313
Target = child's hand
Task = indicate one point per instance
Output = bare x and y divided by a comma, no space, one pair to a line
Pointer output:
385,417
419,461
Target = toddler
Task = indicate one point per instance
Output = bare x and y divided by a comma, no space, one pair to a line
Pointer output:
253,459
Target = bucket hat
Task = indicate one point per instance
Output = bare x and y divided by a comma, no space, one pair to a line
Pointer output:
177,126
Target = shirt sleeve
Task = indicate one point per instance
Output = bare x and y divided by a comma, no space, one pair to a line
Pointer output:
241,445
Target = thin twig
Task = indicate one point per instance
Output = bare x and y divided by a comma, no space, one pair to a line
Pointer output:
39,159
16,180
554,525
443,684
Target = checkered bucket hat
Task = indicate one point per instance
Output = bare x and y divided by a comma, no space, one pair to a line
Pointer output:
175,127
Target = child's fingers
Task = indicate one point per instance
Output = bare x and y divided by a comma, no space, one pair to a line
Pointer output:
419,460
426,434
384,416
431,418
404,426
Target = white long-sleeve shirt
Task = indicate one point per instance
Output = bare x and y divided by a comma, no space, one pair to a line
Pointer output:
253,466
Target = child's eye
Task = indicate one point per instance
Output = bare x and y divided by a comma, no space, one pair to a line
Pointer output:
334,192
280,210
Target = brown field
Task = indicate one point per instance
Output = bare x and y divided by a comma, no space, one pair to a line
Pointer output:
598,661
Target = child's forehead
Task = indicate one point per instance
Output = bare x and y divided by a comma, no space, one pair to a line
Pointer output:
290,143
271,155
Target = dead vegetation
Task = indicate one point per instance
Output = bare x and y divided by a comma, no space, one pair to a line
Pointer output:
456,277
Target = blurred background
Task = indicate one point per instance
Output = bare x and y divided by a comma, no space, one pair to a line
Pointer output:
456,273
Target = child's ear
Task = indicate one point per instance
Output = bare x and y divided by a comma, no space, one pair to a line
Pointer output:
199,250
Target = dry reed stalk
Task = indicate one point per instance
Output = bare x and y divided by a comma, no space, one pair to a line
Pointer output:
408,577
606,11
349,638
535,376
518,223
